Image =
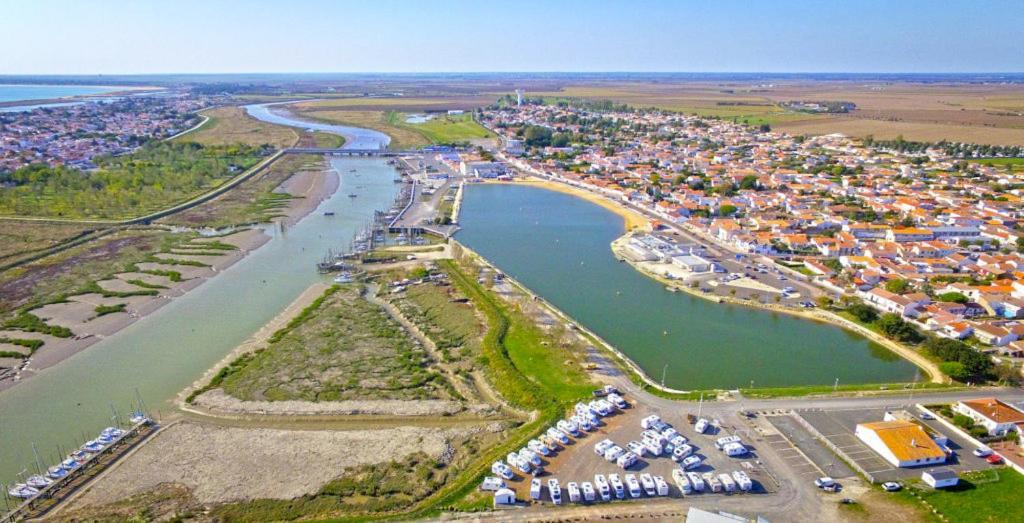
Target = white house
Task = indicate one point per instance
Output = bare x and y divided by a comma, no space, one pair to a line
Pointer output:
940,478
996,416
504,497
691,263
901,443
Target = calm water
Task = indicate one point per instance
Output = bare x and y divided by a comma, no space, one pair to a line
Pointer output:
558,246
355,137
165,352
14,93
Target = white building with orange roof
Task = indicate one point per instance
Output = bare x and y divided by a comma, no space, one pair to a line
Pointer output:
995,415
901,443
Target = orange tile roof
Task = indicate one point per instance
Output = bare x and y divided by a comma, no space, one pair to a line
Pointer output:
906,440
995,410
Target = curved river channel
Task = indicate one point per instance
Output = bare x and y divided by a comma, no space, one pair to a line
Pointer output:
163,353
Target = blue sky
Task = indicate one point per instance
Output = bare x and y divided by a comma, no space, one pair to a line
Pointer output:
211,36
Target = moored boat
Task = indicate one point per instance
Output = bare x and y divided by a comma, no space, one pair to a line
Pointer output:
22,491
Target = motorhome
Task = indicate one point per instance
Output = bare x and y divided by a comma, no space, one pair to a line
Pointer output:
735,449
558,435
633,485
713,483
701,426
603,488
601,446
742,480
535,489
502,470
647,482
720,443
574,491
614,453
626,460
555,491
654,447
588,491
696,481
538,447
679,477
492,483
646,422
637,448
661,485
529,455
691,462
568,427
681,452
618,401
728,484
617,487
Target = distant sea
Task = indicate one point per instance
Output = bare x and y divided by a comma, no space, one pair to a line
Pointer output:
14,93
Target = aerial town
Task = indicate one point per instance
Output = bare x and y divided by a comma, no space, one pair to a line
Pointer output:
663,261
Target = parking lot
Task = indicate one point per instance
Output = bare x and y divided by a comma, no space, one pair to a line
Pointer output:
838,427
577,462
803,452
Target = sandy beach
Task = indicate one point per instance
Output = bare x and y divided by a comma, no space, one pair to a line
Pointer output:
633,220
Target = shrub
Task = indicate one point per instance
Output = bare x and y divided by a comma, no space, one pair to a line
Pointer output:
954,297
893,326
978,431
863,312
963,422
954,369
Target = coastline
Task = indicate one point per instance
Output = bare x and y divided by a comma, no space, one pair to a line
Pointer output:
309,190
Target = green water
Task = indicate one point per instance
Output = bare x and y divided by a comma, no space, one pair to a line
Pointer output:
558,246
165,352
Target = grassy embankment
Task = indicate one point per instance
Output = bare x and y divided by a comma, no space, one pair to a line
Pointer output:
231,125
344,348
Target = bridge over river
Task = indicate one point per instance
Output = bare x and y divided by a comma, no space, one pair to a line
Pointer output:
351,152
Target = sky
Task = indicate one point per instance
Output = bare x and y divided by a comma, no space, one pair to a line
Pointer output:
290,36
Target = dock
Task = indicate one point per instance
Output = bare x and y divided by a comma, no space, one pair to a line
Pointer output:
61,489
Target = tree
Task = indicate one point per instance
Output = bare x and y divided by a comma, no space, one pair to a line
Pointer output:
537,136
898,286
823,302
1020,244
749,182
954,369
727,210
862,312
954,297
893,326
559,140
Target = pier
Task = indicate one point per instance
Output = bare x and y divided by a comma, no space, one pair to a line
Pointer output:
61,489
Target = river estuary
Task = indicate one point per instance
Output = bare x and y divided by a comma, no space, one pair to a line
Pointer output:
166,351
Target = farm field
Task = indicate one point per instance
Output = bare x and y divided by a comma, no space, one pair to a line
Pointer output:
991,114
443,128
230,125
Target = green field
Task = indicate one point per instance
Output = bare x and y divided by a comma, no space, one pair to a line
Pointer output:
443,128
154,177
988,496
341,347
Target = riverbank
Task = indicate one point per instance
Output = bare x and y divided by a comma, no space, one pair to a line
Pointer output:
926,365
156,283
632,219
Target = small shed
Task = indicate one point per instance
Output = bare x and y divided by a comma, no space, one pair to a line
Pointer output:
504,497
940,478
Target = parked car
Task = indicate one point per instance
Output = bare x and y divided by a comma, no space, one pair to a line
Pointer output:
994,459
824,481
982,452
891,486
